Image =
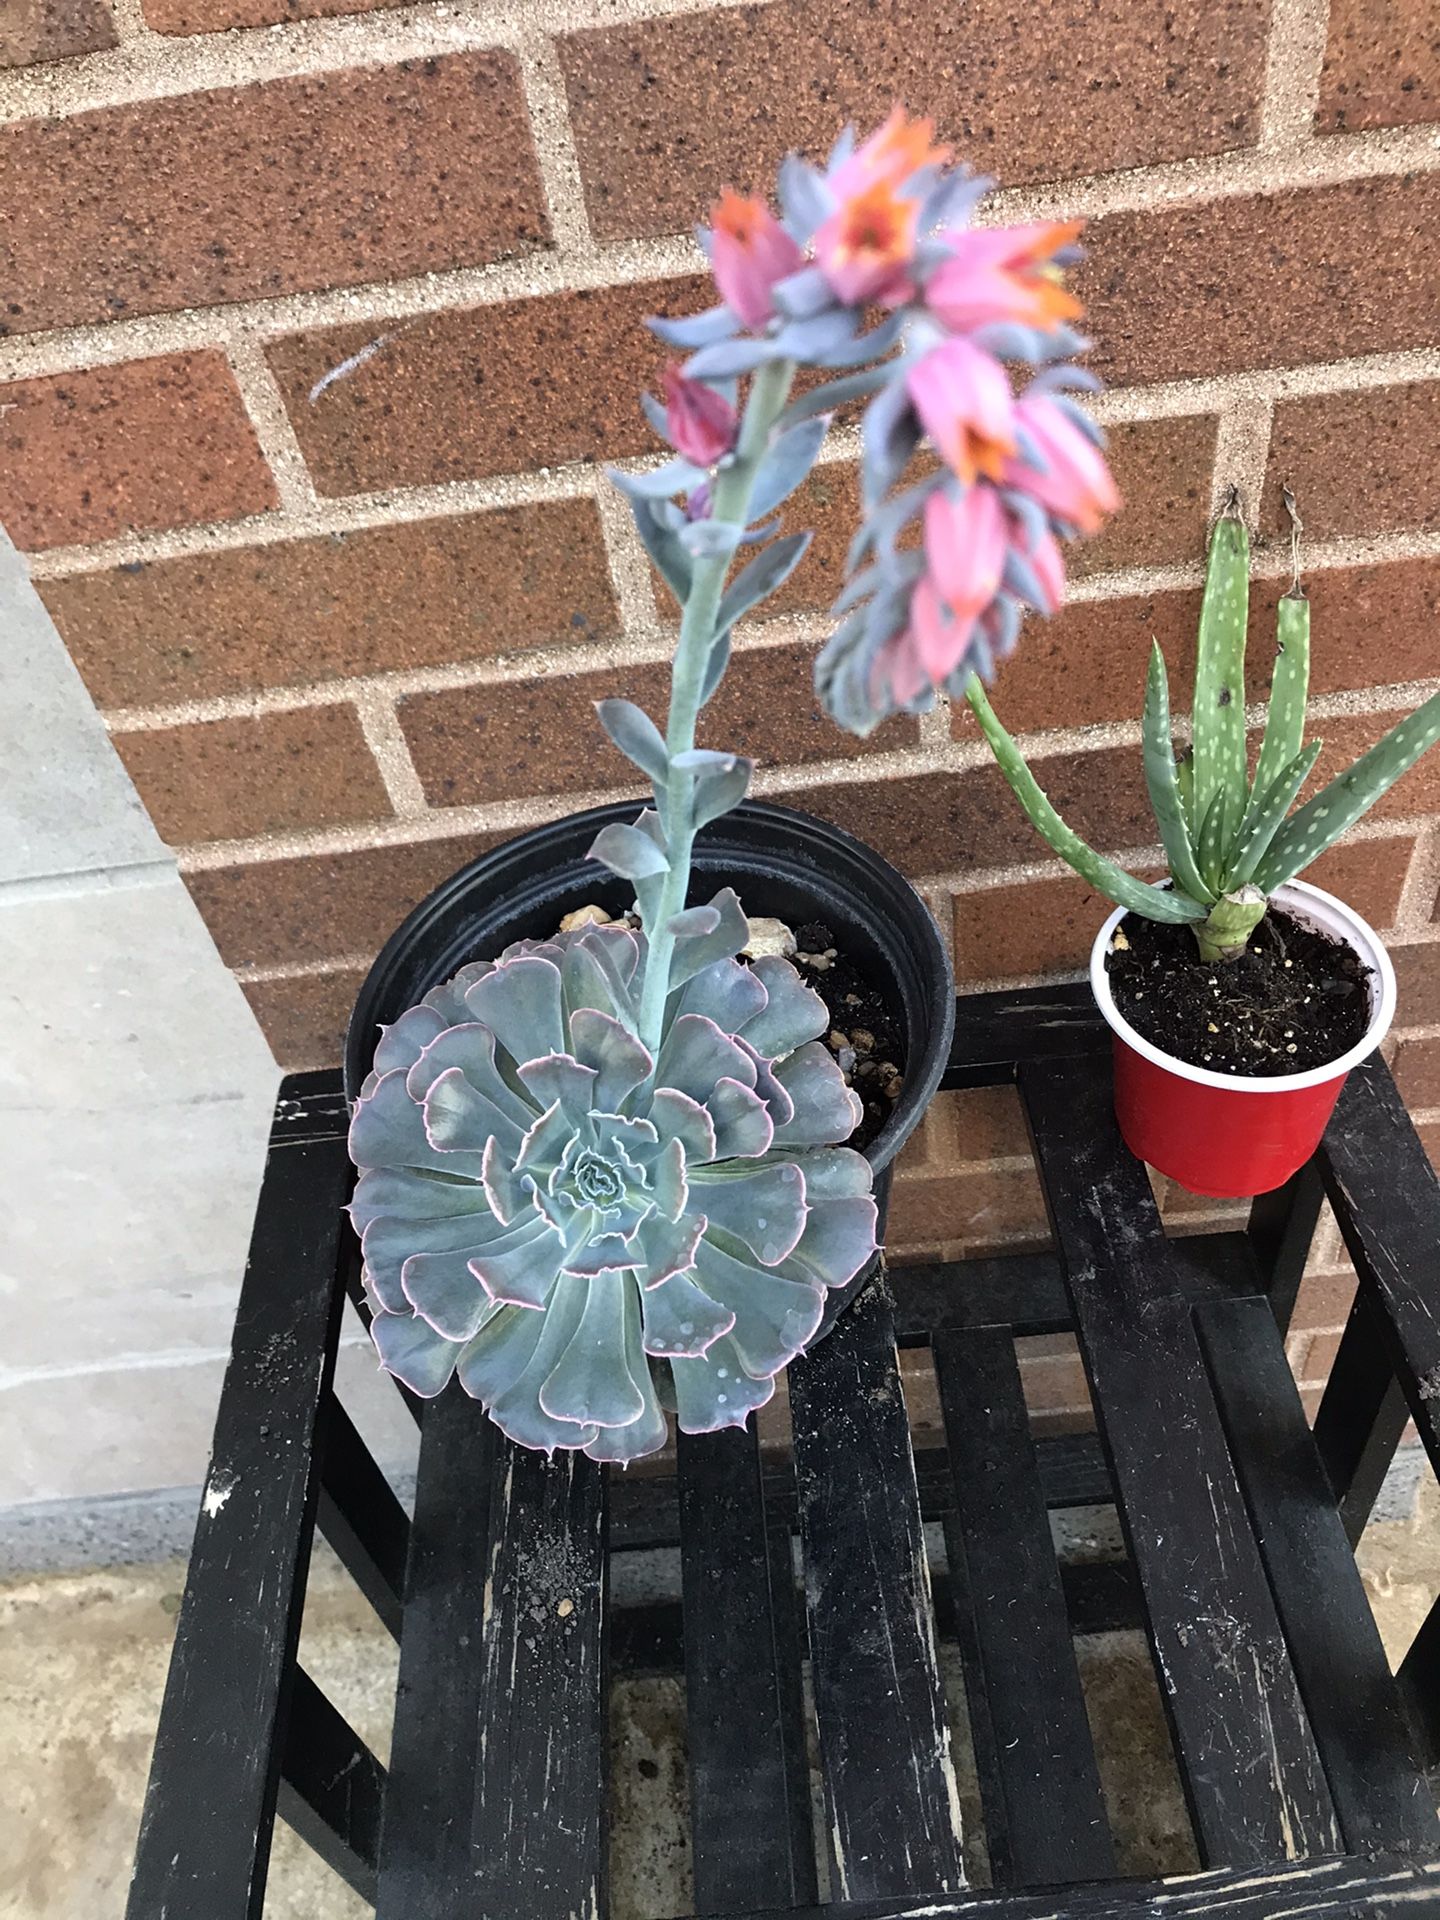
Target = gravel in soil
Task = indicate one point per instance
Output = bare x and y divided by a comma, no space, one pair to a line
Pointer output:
1295,999
864,1033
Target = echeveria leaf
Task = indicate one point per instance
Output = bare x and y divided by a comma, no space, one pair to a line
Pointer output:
695,329
682,1321
774,1317
443,1290
826,1110
628,852
769,569
591,1383
637,737
762,1206
792,1014
715,1391
414,1352
791,456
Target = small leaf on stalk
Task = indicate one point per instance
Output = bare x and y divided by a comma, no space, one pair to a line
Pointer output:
788,460
628,851
664,549
705,538
756,582
637,737
696,329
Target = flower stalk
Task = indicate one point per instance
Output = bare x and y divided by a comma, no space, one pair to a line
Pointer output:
730,499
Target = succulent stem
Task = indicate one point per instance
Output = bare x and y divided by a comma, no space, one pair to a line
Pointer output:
1224,932
769,392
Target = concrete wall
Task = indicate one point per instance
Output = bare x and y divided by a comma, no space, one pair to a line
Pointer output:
135,1091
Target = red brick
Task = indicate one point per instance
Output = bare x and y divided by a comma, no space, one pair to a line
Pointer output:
496,389
34,30
127,449
1138,82
304,1018
1382,66
324,906
1417,980
949,822
1430,1140
217,16
976,1209
1324,1300
1185,1212
1368,874
381,600
1358,462
1319,1357
240,193
1163,470
1417,1073
230,779
1055,1387
1347,736
1369,626
1089,663
1033,927
977,1124
1311,274
476,744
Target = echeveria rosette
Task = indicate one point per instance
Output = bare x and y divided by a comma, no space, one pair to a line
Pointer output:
586,1235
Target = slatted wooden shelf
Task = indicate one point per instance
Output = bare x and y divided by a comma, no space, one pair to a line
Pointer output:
813,1605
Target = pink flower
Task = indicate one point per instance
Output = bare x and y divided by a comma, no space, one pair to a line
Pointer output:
963,398
1076,486
749,252
866,246
965,541
701,423
1003,274
888,158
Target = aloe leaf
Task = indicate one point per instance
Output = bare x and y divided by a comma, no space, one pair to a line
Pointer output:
1266,816
1163,782
1185,781
1213,840
1336,808
1289,684
1117,885
1219,713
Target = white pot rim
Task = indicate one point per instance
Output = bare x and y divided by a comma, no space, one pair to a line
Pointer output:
1323,911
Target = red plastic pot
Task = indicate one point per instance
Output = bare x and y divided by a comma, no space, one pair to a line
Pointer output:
1219,1134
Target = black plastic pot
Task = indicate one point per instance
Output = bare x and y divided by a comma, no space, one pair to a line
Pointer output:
779,862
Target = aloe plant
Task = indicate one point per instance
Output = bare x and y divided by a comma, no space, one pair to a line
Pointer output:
1230,838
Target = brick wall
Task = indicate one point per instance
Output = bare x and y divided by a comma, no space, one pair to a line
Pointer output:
317,317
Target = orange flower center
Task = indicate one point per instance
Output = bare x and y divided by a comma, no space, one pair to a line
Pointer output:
739,217
878,225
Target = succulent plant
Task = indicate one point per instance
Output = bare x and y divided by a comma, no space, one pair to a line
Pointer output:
588,1233
1230,839
604,1175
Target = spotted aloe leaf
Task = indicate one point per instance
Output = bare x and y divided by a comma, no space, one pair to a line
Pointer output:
586,1233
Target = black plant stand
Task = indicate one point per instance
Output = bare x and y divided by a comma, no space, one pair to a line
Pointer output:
1302,1758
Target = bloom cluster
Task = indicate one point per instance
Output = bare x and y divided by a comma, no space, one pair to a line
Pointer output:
875,273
